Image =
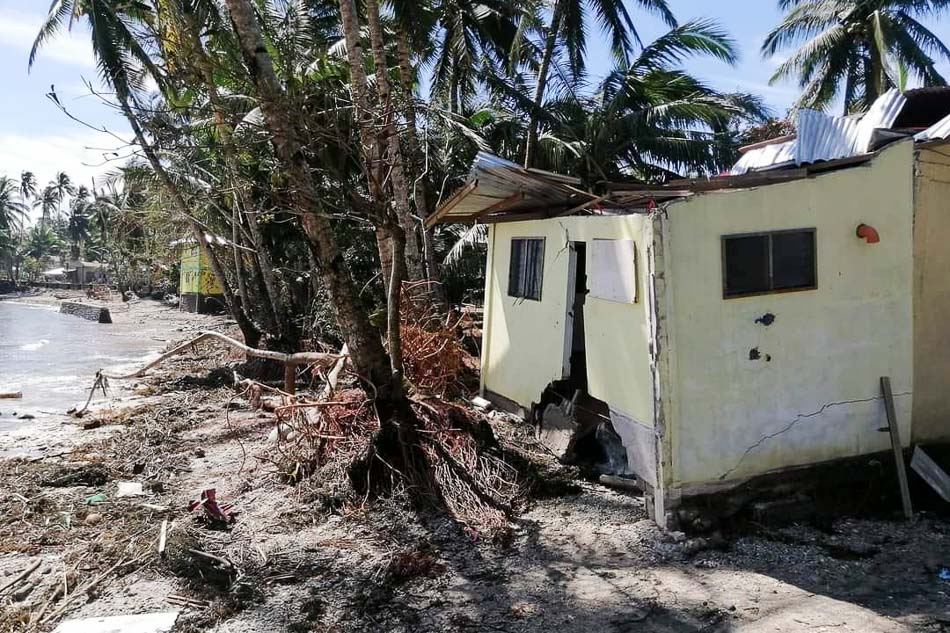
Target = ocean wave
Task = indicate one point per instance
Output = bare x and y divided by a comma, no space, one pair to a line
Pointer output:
32,347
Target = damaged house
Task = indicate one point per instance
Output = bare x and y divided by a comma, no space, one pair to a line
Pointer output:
734,327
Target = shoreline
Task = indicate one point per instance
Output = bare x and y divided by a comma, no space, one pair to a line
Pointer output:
50,431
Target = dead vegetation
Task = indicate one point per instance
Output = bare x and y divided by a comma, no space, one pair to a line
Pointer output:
64,513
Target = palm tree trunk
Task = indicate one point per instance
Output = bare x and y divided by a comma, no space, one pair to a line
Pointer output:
277,307
250,332
236,256
390,141
550,42
417,161
372,150
365,347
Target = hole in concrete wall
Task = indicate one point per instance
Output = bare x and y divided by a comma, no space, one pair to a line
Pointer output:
577,428
754,354
766,319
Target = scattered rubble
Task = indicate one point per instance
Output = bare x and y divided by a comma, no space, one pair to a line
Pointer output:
307,554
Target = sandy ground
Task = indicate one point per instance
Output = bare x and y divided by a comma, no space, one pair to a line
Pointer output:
579,558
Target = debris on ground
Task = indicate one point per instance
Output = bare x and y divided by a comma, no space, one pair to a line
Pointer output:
145,623
218,515
309,554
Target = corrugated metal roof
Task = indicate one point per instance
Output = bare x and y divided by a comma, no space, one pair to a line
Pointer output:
821,137
882,115
768,157
496,185
939,131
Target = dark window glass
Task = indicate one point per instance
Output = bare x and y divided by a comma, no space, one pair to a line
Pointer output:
793,260
768,262
747,265
526,268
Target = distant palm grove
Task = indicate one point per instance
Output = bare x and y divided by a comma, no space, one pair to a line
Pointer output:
315,136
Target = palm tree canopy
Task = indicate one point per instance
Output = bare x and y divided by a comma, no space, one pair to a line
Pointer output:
27,185
856,49
650,119
121,55
614,21
12,210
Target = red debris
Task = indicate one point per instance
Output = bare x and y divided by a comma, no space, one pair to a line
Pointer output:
213,512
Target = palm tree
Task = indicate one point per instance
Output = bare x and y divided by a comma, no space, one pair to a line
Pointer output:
12,209
115,29
78,223
27,185
857,49
651,120
570,25
48,203
41,243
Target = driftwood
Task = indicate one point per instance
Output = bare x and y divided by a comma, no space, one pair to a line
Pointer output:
21,576
290,361
293,360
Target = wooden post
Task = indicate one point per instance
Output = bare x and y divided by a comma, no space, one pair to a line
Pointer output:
896,445
290,378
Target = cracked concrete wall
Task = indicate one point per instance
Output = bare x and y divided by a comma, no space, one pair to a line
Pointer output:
932,295
524,340
752,393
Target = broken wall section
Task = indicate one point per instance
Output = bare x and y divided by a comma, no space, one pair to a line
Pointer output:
752,393
524,341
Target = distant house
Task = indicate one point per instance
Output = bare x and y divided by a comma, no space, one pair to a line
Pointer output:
198,287
82,273
737,326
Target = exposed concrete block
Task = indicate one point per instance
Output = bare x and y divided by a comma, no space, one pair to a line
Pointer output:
86,311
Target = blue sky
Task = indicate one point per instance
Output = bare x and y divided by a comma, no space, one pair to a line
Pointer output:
35,135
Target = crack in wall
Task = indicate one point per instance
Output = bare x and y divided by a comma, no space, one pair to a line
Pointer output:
801,416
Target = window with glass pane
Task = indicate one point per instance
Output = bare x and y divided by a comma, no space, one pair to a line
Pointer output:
526,269
761,263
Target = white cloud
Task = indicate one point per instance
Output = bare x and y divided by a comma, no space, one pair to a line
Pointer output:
83,155
18,31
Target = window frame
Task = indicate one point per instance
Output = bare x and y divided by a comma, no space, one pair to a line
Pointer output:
511,259
772,290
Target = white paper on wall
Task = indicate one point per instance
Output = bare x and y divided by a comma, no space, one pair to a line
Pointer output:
613,275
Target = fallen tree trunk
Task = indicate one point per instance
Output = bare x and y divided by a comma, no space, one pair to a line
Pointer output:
290,362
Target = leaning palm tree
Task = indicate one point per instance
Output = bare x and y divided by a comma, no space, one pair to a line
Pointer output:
570,26
12,210
856,49
121,40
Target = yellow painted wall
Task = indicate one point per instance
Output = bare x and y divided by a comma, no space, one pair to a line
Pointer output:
731,416
196,274
524,345
932,296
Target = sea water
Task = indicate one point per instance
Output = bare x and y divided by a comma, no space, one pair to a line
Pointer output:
53,358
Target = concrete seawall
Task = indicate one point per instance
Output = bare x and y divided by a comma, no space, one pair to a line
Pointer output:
86,311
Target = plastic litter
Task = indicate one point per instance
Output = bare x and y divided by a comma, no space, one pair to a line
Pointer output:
143,623
97,498
130,489
220,514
